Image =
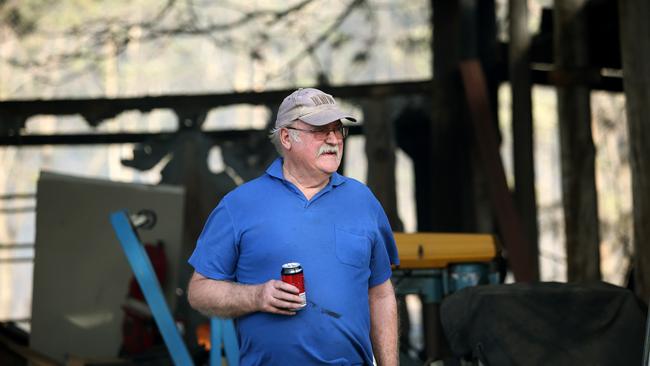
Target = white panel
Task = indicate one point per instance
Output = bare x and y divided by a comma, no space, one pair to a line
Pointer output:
81,274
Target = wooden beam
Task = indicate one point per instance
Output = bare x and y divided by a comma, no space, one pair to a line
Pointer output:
97,109
520,257
125,138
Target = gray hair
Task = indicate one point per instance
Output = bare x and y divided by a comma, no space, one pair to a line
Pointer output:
274,136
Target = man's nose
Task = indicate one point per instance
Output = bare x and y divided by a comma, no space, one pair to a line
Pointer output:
331,136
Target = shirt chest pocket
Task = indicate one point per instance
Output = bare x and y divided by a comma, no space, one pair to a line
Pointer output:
352,248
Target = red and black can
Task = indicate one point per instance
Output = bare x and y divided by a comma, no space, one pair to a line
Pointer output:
292,273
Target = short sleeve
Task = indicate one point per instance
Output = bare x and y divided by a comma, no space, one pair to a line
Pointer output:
384,251
217,249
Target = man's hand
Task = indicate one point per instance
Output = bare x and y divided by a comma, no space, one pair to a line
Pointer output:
278,297
230,299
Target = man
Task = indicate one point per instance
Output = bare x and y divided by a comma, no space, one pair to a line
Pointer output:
302,211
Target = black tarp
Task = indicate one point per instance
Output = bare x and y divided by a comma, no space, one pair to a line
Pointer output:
545,324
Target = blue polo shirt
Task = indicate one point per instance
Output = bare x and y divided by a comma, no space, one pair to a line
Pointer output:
345,245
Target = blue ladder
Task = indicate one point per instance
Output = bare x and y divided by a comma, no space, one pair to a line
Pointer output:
221,330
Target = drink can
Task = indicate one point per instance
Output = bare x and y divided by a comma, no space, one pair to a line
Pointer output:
292,273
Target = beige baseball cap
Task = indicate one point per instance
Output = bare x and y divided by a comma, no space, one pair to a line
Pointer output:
310,106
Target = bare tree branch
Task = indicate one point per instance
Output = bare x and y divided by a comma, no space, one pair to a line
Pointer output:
88,42
311,47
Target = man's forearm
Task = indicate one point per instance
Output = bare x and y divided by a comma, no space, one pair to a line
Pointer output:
222,298
383,324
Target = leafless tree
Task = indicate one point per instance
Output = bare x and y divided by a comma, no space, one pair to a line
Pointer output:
228,26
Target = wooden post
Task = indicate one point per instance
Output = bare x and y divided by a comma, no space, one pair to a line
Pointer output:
522,124
380,150
576,144
452,190
452,198
635,47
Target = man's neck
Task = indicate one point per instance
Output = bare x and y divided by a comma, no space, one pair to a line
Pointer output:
308,183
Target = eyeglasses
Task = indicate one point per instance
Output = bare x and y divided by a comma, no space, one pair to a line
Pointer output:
340,132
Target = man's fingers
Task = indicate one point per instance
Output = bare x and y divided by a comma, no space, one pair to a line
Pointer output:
278,297
285,305
285,287
286,292
282,311
277,306
284,296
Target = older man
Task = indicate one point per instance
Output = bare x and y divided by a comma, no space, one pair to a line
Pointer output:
302,211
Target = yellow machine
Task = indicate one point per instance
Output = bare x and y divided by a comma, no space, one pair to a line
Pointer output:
434,265
434,250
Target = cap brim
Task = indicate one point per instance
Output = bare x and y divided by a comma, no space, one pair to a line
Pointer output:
323,117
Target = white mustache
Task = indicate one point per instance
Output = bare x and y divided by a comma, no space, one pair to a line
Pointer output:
324,149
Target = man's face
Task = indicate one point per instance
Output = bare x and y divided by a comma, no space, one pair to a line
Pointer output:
320,150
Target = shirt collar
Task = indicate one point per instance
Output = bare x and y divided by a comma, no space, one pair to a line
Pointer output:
275,170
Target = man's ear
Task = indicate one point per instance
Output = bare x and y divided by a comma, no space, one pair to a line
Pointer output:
285,139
